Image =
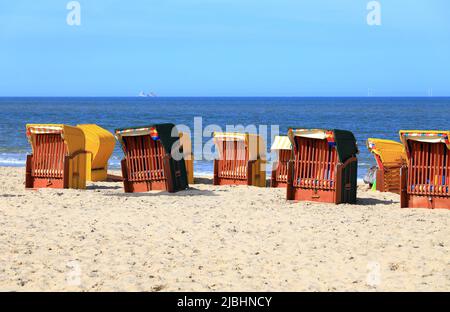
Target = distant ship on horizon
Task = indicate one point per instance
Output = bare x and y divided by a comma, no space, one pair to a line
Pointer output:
150,94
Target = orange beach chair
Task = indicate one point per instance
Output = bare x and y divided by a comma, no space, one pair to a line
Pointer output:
425,180
282,145
390,156
148,163
58,158
324,166
241,161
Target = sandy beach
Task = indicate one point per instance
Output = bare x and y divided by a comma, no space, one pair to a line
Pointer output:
229,238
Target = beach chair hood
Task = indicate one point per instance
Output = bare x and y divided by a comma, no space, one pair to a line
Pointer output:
427,136
255,143
388,150
344,140
73,136
281,143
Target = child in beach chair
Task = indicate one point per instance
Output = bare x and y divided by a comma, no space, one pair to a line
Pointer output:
324,166
58,158
425,180
390,157
185,140
282,145
153,159
100,145
241,159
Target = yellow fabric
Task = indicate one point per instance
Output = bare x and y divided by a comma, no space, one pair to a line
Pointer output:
100,144
388,150
281,143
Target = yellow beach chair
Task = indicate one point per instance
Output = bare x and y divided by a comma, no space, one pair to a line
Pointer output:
242,159
425,181
58,158
100,145
390,157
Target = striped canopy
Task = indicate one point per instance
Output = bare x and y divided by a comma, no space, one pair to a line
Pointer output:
281,143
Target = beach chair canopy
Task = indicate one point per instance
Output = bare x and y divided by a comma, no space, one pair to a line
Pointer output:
281,143
99,142
389,151
344,140
255,143
73,137
425,136
167,134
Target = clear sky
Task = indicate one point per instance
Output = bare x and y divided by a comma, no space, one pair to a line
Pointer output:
225,48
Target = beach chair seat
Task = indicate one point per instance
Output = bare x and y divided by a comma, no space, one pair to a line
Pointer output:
425,179
390,156
324,166
58,158
149,163
99,143
241,159
283,147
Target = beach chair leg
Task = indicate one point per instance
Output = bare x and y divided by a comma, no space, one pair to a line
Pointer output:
403,187
66,172
126,184
290,182
273,178
168,174
250,172
28,176
216,172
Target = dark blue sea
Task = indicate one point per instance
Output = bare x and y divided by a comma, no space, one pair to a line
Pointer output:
366,117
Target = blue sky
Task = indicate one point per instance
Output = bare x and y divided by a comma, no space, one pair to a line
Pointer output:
225,48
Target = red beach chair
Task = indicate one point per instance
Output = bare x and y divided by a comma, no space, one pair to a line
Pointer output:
324,166
425,181
282,145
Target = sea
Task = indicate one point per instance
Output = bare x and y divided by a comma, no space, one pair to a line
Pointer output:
365,116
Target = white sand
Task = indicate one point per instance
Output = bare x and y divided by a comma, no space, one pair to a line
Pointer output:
215,238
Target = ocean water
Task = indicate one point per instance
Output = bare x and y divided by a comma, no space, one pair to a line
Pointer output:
365,117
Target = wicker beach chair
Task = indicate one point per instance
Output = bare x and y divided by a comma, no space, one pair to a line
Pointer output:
150,162
100,145
425,180
283,147
241,159
58,158
390,156
324,166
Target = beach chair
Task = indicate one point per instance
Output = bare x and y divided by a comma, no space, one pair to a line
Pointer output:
425,180
153,159
185,140
283,147
241,159
324,166
58,158
390,156
100,145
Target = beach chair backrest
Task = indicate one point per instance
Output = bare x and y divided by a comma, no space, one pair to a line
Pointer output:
144,158
234,156
314,163
428,163
49,151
